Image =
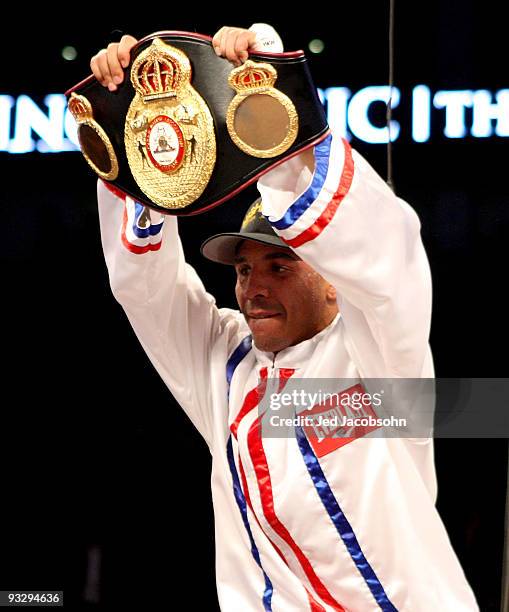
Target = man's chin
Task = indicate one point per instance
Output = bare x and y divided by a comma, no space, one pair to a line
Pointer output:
267,345
267,334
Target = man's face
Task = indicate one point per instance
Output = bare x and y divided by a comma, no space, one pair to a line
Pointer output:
282,298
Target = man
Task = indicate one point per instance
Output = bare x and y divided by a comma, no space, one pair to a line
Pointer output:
332,282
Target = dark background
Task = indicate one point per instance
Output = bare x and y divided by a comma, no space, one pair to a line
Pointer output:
94,452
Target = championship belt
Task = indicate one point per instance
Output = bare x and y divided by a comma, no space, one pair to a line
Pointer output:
186,131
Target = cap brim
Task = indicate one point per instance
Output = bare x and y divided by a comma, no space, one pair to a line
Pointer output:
221,248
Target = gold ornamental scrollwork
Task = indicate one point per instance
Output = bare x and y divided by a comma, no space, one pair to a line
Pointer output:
94,142
261,120
169,131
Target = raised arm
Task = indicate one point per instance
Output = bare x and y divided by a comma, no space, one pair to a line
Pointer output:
175,319
342,219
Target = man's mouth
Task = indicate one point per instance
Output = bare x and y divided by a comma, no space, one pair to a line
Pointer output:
259,314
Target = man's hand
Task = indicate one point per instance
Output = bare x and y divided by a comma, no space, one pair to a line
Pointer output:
234,44
108,63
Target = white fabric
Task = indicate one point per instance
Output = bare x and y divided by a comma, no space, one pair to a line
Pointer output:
372,252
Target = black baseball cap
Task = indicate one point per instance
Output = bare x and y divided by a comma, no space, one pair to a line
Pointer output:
222,248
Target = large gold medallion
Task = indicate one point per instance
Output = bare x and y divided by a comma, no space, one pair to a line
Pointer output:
169,131
262,121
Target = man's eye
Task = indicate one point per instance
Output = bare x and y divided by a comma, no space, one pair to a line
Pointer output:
278,268
243,270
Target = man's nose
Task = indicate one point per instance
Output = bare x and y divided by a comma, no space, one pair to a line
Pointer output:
255,286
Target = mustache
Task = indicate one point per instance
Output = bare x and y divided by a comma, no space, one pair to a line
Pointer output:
262,304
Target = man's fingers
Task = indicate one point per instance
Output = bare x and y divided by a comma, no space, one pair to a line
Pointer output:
229,43
244,42
107,65
224,36
234,43
103,68
114,67
217,41
97,69
125,45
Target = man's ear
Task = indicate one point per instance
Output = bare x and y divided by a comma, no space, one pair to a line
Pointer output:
331,293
